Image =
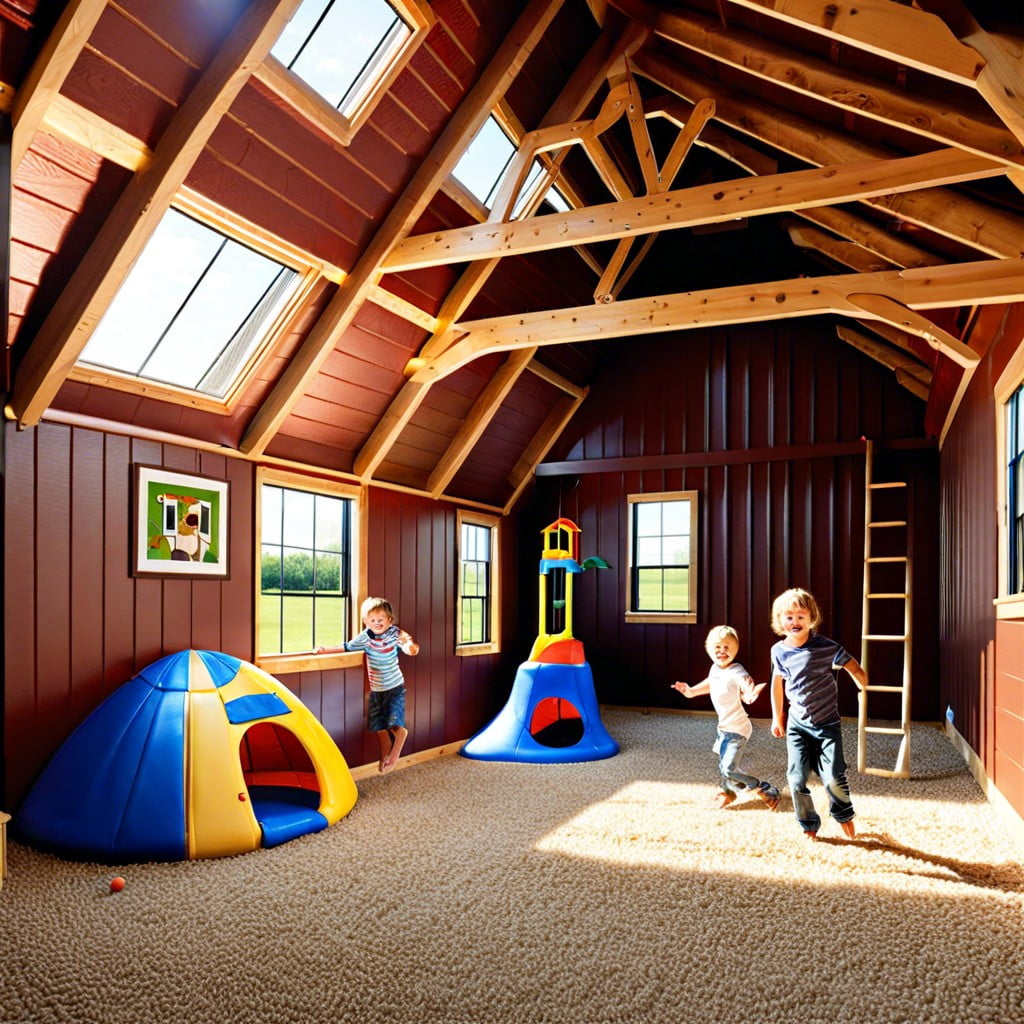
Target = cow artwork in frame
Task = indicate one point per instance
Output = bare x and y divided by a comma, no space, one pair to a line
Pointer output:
180,525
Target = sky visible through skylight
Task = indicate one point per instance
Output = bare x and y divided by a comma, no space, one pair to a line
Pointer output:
328,42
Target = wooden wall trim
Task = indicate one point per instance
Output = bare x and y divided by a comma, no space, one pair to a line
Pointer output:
732,457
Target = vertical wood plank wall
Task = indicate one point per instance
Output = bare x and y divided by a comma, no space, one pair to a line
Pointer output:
982,658
78,625
768,521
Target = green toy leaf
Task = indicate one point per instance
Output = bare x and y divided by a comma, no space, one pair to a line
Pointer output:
595,562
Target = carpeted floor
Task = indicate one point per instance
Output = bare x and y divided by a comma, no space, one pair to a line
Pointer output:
480,893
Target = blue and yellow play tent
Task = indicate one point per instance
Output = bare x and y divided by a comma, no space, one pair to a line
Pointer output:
199,755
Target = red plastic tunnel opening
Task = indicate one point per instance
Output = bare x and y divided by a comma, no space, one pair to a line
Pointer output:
273,756
556,723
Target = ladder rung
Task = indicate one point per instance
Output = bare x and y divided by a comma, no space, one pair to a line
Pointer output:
882,688
893,483
901,596
882,731
885,636
892,558
892,522
897,774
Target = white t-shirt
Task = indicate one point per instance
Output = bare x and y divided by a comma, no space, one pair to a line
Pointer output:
726,687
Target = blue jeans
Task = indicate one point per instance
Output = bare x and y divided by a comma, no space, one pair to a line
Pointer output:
730,748
817,748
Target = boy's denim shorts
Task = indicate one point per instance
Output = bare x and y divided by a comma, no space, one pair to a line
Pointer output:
386,709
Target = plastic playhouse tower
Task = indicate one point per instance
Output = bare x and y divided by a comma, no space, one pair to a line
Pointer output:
552,715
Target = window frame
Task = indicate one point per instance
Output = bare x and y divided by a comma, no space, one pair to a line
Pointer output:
298,662
1008,605
688,617
492,523
221,221
343,128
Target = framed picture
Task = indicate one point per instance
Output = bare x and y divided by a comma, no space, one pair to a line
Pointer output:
180,524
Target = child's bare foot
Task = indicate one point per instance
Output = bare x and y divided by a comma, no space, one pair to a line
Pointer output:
771,799
724,799
813,836
849,829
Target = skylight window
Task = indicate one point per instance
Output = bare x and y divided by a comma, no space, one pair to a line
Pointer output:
486,159
341,48
193,310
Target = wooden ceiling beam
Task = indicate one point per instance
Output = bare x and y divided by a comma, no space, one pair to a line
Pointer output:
910,373
902,292
849,254
702,204
949,123
890,310
969,221
562,411
41,86
607,52
871,236
91,288
472,112
1001,83
473,426
903,34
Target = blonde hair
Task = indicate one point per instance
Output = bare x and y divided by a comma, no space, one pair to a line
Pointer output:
719,633
372,604
795,597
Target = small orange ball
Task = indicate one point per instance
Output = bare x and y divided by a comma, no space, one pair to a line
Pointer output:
117,884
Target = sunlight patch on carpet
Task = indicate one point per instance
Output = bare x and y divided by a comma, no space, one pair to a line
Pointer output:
677,826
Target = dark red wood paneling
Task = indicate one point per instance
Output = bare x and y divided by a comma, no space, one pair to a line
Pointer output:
768,520
78,625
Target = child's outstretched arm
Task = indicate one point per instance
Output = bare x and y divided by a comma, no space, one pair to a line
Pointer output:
697,690
408,645
856,670
778,708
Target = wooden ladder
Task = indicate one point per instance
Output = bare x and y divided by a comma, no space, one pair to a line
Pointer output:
876,601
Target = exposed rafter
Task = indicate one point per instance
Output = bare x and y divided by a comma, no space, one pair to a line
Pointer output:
891,296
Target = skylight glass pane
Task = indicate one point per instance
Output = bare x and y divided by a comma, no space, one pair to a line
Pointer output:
485,159
192,310
340,47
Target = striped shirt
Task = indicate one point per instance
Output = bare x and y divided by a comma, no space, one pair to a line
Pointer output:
809,675
381,651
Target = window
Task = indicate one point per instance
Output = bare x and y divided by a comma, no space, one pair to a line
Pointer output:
349,51
477,612
1009,432
306,564
194,313
482,167
1015,492
662,579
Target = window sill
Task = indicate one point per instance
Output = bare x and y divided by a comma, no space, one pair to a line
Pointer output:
282,664
1010,607
471,650
646,618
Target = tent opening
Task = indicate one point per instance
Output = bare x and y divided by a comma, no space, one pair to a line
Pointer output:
556,723
282,782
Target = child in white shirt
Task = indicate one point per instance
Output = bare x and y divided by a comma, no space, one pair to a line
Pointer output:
730,687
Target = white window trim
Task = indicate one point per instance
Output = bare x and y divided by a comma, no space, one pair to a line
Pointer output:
680,618
493,523
285,663
1008,606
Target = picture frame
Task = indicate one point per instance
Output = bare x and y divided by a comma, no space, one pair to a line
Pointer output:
180,525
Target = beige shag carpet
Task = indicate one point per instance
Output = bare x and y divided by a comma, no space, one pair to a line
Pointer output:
474,892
